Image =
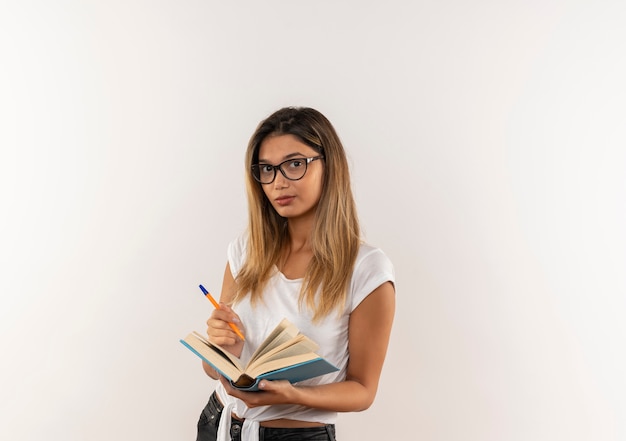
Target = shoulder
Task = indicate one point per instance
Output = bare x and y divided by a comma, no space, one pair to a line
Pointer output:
239,244
370,259
236,252
372,268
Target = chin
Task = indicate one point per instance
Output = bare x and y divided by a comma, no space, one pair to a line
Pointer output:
282,211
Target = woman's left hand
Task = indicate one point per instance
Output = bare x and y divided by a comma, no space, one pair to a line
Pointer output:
270,392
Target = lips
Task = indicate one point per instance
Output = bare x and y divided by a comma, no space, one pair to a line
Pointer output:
284,200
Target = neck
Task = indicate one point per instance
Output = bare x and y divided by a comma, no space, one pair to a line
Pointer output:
300,230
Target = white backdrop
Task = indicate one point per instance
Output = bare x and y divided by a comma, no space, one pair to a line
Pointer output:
488,150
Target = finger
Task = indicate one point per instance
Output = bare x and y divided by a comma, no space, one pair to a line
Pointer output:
225,315
224,340
220,333
217,323
220,325
232,315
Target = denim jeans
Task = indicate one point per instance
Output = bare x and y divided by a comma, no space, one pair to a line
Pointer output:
210,418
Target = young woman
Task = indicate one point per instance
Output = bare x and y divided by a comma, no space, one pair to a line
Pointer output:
301,258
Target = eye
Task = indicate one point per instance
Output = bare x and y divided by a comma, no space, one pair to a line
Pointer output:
266,168
296,163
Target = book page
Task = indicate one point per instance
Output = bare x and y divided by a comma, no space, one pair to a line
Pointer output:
297,346
282,333
272,365
234,360
222,359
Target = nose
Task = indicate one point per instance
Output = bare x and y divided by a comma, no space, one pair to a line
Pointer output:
280,181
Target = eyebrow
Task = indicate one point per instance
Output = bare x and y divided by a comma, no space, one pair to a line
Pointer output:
289,156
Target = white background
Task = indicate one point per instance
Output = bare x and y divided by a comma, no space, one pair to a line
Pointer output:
488,149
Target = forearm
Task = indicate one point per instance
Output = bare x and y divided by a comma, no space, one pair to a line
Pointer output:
208,369
345,396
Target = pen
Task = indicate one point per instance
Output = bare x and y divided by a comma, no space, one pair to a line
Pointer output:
217,306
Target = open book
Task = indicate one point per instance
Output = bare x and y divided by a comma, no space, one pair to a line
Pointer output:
285,354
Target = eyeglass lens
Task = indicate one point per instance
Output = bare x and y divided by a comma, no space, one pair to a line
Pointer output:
292,169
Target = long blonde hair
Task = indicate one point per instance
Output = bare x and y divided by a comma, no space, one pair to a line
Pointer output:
335,238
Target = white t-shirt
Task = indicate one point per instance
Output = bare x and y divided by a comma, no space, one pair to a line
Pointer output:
280,300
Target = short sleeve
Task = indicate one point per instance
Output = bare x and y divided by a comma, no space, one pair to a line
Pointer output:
371,269
236,254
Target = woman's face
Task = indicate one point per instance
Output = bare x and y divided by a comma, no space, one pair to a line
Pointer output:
292,199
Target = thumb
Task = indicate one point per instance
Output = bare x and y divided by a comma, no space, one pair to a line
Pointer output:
273,386
266,385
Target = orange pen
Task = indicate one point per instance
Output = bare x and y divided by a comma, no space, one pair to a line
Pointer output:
217,306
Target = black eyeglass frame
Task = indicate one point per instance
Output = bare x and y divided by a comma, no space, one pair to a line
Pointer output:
306,161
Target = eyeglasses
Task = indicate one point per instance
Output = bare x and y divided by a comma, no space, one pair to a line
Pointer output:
292,169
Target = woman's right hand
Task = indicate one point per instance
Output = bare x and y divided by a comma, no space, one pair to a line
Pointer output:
220,332
218,329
